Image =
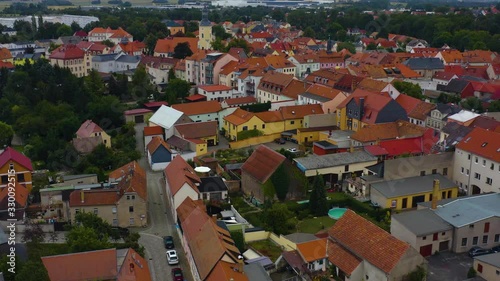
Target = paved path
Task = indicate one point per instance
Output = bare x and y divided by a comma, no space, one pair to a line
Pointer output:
160,223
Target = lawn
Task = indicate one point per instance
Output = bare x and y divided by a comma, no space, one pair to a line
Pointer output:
267,248
314,225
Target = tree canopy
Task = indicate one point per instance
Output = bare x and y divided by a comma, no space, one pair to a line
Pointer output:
317,200
182,50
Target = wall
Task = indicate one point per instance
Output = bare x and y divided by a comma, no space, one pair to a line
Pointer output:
386,202
467,180
281,240
147,139
399,231
181,195
140,211
276,105
489,272
256,236
319,120
476,231
19,170
233,185
339,170
408,263
103,211
253,141
20,228
250,186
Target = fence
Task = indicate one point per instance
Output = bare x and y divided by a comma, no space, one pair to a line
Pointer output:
282,241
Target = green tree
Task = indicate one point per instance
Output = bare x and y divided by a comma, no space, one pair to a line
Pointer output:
150,42
182,50
82,239
411,89
108,43
33,270
177,89
132,241
238,43
93,221
317,200
64,30
448,98
346,45
171,74
220,33
218,45
473,104
309,32
281,181
494,106
4,267
6,134
278,219
371,46
94,84
239,240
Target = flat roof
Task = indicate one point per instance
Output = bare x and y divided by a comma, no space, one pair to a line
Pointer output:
422,222
412,185
333,160
492,259
468,210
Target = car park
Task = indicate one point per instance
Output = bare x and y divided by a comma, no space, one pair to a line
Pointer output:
478,251
177,274
168,241
280,140
172,257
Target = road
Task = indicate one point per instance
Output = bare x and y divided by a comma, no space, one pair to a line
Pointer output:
160,223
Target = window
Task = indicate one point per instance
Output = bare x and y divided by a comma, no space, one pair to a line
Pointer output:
435,236
131,209
245,128
475,240
479,268
471,225
5,179
96,211
467,172
485,239
132,221
445,171
434,171
346,168
464,242
497,238
489,181
476,160
424,237
114,210
263,126
477,176
115,222
393,203
77,211
20,177
292,122
484,162
422,173
128,197
492,166
133,197
443,233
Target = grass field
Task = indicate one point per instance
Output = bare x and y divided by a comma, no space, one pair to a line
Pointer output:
314,225
267,248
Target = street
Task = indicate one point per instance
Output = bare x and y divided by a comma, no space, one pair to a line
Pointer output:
160,223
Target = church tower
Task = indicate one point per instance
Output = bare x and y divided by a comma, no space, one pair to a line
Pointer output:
205,31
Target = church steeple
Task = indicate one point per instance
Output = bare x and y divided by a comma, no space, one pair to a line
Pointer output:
204,17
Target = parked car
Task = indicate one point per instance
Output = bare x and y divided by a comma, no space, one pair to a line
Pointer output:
172,257
495,249
294,140
478,251
177,274
280,140
169,242
293,150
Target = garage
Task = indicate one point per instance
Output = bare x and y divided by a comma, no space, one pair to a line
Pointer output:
426,250
210,142
444,246
138,115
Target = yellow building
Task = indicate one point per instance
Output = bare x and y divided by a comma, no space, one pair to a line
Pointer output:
13,160
273,122
205,32
241,120
293,116
408,192
72,58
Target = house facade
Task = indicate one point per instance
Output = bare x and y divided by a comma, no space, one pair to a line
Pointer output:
487,266
11,159
180,183
72,58
159,154
216,92
202,111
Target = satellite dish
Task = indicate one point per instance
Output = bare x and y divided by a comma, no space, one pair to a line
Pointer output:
202,169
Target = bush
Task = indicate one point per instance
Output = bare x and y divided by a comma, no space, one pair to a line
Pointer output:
471,273
239,240
249,134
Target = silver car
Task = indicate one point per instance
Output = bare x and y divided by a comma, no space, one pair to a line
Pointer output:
172,257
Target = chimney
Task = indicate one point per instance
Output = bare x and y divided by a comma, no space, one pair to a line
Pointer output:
361,107
82,195
435,194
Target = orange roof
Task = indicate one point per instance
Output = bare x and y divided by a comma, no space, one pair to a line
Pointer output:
197,108
262,163
92,265
270,116
407,72
227,271
5,54
94,197
153,131
367,241
239,116
483,143
215,88
117,174
179,172
384,131
134,267
342,258
21,196
278,62
421,110
135,181
299,111
229,67
313,250
155,143
120,33
372,85
323,91
294,89
188,206
451,56
168,44
196,130
407,102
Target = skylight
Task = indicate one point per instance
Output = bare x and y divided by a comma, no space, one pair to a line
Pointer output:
484,144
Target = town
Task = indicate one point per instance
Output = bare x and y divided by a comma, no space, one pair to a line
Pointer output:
250,141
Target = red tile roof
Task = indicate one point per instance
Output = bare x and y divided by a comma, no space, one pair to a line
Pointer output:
134,181
385,131
93,197
299,111
239,116
87,129
155,103
196,130
155,143
21,196
92,265
263,163
179,172
342,258
196,97
407,102
188,206
5,54
376,150
483,143
137,111
197,108
10,154
153,131
367,241
227,271
421,110
67,52
134,268
167,45
215,88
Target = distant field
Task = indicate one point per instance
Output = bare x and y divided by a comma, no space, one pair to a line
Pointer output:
76,3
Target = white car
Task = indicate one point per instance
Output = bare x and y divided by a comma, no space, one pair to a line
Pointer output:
293,150
172,257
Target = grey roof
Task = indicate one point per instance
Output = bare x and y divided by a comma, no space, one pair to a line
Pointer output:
456,86
325,144
255,272
468,210
493,259
315,97
129,59
235,166
413,185
422,222
333,160
74,177
212,184
424,63
103,58
378,169
301,237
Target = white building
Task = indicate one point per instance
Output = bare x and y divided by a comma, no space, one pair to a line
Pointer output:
305,64
82,21
202,111
110,63
477,162
166,117
216,92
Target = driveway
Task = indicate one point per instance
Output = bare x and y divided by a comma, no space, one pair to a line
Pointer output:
448,266
160,223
